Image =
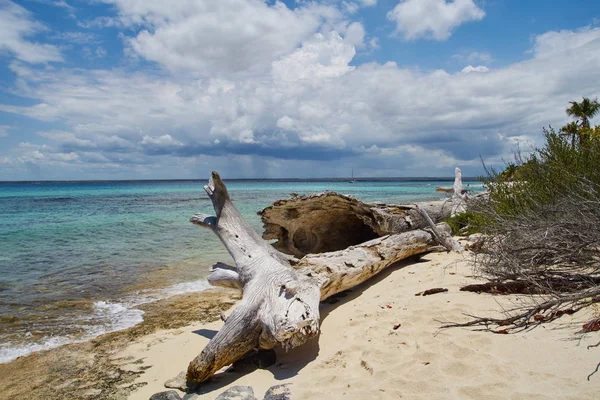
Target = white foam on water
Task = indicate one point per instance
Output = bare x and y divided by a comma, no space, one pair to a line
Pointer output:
107,316
9,353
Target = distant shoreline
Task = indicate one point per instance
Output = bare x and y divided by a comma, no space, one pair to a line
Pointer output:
308,180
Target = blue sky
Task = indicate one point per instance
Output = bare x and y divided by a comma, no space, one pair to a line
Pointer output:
132,89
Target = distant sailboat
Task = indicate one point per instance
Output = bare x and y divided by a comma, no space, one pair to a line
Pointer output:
352,180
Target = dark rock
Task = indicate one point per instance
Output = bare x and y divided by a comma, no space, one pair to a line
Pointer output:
278,392
168,395
237,393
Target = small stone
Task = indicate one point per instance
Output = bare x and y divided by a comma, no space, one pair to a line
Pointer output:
168,395
278,392
179,382
237,393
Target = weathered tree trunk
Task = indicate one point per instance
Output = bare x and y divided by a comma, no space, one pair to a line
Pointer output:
443,237
330,221
459,199
280,302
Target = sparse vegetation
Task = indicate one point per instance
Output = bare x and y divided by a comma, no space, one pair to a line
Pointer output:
542,222
466,223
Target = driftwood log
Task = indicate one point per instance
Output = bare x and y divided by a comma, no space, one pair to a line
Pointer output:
281,295
317,223
309,224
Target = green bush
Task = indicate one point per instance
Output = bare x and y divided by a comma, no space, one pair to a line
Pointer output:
466,223
545,176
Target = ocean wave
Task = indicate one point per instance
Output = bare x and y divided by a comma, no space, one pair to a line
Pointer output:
107,316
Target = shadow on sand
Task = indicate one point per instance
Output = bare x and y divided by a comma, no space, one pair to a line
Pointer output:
207,333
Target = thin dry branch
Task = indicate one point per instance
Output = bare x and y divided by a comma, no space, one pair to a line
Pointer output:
525,318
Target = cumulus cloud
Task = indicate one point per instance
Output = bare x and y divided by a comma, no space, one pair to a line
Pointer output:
322,57
207,37
479,68
16,25
432,19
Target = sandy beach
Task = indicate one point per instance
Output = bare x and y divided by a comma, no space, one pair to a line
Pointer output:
360,355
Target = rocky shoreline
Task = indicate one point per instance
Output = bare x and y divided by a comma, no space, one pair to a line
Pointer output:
89,370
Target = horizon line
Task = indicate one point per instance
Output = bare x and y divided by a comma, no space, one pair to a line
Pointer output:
330,179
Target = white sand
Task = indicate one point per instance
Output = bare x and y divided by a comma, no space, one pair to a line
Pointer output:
359,356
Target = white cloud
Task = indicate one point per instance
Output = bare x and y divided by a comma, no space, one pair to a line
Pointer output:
207,37
75,37
322,57
552,43
16,25
355,34
432,19
479,68
350,8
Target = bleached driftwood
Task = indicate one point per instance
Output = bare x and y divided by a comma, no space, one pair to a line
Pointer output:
444,238
329,221
459,198
280,302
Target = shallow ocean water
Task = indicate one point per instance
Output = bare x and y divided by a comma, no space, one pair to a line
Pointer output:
77,258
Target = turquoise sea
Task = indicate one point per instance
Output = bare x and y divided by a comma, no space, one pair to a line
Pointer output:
76,258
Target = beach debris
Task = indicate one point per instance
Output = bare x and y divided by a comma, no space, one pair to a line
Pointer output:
431,291
366,366
397,326
426,363
237,393
592,326
281,294
168,395
557,284
278,392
